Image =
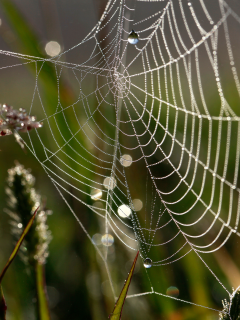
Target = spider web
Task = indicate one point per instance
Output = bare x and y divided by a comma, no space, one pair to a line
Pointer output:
158,121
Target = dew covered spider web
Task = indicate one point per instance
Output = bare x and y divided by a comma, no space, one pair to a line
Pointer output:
151,142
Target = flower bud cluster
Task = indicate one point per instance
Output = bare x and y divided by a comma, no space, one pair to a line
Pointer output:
11,119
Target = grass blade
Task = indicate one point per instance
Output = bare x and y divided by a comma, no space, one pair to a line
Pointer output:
117,311
17,247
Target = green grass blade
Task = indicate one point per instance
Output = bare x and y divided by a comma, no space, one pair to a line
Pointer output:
117,311
15,250
42,300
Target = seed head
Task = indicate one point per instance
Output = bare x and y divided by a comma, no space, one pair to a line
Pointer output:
231,310
23,200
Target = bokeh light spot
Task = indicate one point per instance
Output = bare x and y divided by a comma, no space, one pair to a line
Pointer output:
107,240
172,291
109,183
137,204
124,211
52,48
96,194
126,160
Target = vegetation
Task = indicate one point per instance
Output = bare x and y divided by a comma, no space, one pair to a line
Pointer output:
76,280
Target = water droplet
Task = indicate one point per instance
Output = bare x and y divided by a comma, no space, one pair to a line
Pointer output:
172,291
126,160
109,183
147,263
124,211
133,37
20,225
96,194
107,240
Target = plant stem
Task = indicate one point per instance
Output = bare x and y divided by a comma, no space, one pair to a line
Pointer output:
42,307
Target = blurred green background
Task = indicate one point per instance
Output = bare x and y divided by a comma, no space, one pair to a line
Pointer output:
76,278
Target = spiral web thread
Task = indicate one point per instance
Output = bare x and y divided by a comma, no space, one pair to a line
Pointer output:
171,103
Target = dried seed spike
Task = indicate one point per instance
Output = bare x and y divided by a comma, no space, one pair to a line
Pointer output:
23,201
